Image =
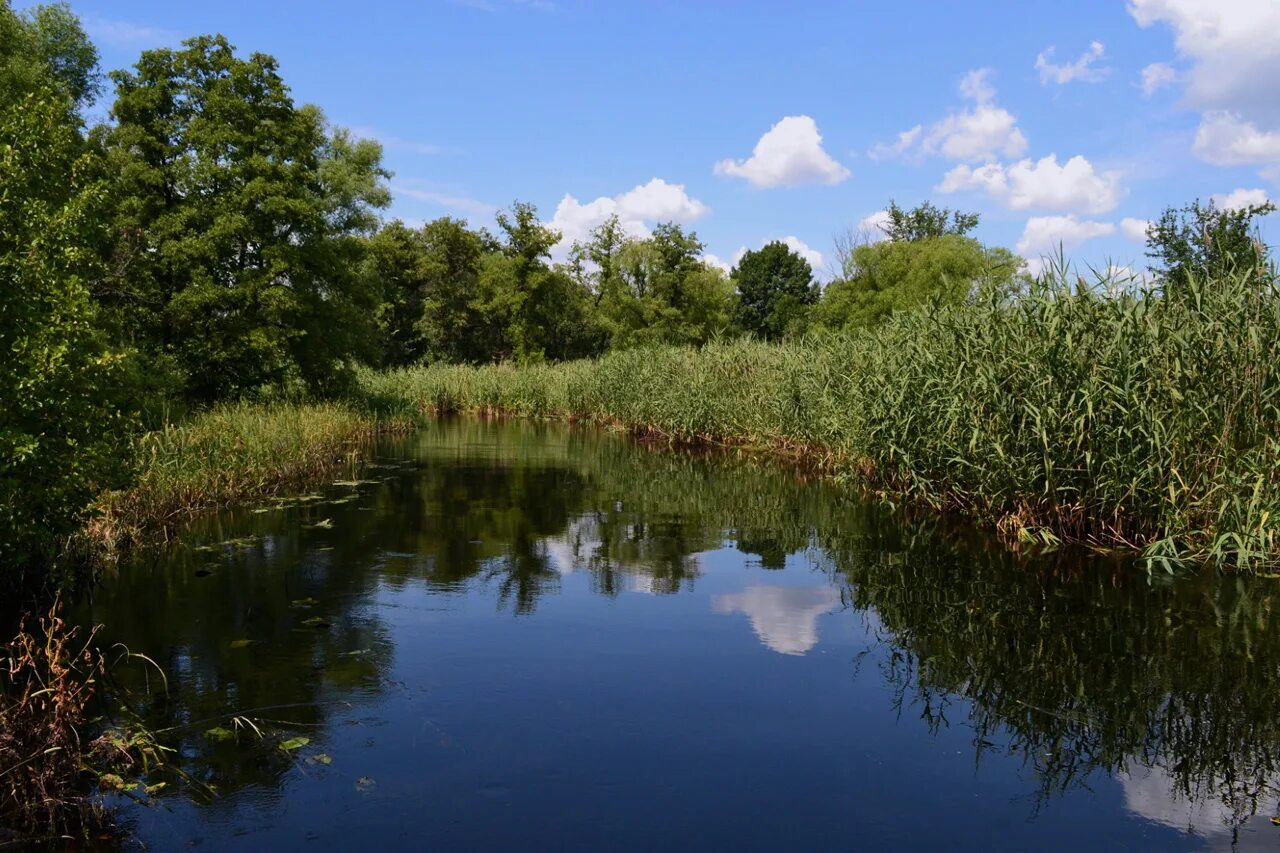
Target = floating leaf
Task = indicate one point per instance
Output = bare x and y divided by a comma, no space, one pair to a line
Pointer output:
323,758
240,644
322,524
355,653
364,783
317,622
152,790
295,743
219,733
304,602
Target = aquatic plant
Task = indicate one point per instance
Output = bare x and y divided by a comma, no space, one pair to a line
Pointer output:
1112,414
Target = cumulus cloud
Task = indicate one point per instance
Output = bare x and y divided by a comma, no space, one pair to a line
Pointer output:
1233,66
980,132
1156,76
1231,48
1240,198
716,261
1225,139
1073,186
1135,229
1082,69
1043,236
790,154
656,201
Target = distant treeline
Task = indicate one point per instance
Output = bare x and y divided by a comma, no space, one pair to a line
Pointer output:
214,240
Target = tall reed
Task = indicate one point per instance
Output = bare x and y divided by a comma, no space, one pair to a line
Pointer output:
1117,417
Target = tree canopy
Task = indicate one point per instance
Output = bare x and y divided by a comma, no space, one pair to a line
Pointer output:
775,290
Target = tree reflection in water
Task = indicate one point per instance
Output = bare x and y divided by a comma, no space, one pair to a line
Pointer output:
1078,666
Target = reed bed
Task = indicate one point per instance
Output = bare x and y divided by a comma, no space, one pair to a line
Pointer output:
231,454
1121,418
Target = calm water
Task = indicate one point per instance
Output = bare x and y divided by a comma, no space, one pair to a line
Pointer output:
531,636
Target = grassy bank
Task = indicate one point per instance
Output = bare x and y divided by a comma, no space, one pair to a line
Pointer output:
1130,420
231,454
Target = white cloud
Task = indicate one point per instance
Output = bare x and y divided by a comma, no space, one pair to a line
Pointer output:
1043,236
1231,47
905,140
1073,186
872,226
784,618
716,261
656,201
1225,139
1082,69
981,132
1240,198
789,154
1156,76
1135,229
127,35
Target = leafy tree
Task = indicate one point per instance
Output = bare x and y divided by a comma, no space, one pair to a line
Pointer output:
238,224
46,46
551,314
775,290
656,290
1201,241
925,222
60,431
892,276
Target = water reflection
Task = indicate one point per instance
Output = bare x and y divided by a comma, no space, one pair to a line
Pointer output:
784,618
1082,672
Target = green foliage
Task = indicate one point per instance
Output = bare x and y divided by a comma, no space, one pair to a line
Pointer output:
925,222
651,291
59,426
1068,413
893,276
237,224
46,46
775,290
1203,241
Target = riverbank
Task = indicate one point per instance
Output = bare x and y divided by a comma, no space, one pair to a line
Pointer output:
232,454
1133,421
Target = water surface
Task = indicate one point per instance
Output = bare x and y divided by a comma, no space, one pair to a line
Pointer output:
525,635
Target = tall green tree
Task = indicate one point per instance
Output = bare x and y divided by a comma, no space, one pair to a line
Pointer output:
656,290
1202,241
237,232
775,290
60,430
890,276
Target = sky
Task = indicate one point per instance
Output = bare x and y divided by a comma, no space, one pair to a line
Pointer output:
1061,124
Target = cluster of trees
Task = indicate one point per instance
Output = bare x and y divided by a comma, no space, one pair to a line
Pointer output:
214,239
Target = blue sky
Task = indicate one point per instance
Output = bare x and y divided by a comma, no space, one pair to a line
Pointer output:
757,121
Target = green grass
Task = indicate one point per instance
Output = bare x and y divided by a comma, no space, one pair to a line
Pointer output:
231,454
1125,419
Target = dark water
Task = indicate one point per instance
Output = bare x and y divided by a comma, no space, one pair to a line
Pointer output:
528,636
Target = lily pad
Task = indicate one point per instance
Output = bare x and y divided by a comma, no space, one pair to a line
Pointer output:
322,758
322,524
295,743
317,622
